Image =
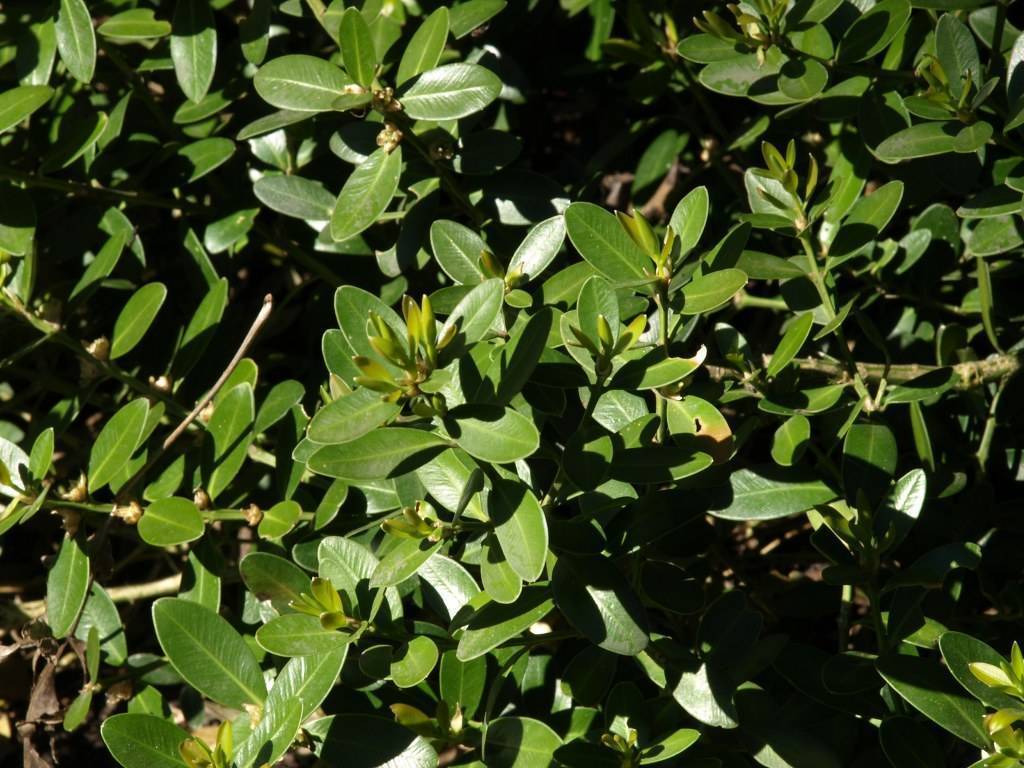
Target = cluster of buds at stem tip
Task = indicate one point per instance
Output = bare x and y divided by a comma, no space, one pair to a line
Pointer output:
417,522
625,746
782,168
197,754
324,602
758,31
416,355
608,345
972,94
642,233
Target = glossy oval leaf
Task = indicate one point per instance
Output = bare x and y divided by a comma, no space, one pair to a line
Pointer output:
366,193
450,92
171,521
136,318
300,83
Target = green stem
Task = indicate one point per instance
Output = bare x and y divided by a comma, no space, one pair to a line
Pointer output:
661,300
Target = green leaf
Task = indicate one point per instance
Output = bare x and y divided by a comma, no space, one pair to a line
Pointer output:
116,443
492,434
457,249
171,521
381,453
76,39
206,155
300,83
295,196
866,219
425,47
537,250
869,461
994,236
135,24
413,661
18,217
602,241
41,457
921,140
357,47
931,569
790,343
520,526
923,387
273,578
77,136
957,53
101,612
959,651
873,30
450,92
272,737
790,440
669,746
495,623
366,193
501,583
194,47
802,79
67,585
474,315
365,741
308,680
351,416
143,741
928,688
299,634
598,601
231,430
279,519
21,101
278,402
768,493
449,582
471,14
200,327
208,653
136,318
516,361
689,218
520,742
254,32
78,710
709,292
402,561
462,683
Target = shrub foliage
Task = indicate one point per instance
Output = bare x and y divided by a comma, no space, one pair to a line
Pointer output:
572,383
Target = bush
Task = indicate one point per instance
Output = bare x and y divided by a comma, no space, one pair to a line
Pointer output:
511,384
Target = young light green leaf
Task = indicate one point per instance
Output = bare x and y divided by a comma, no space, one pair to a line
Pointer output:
116,443
366,193
194,47
790,440
171,521
208,653
136,318
960,651
76,39
450,92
